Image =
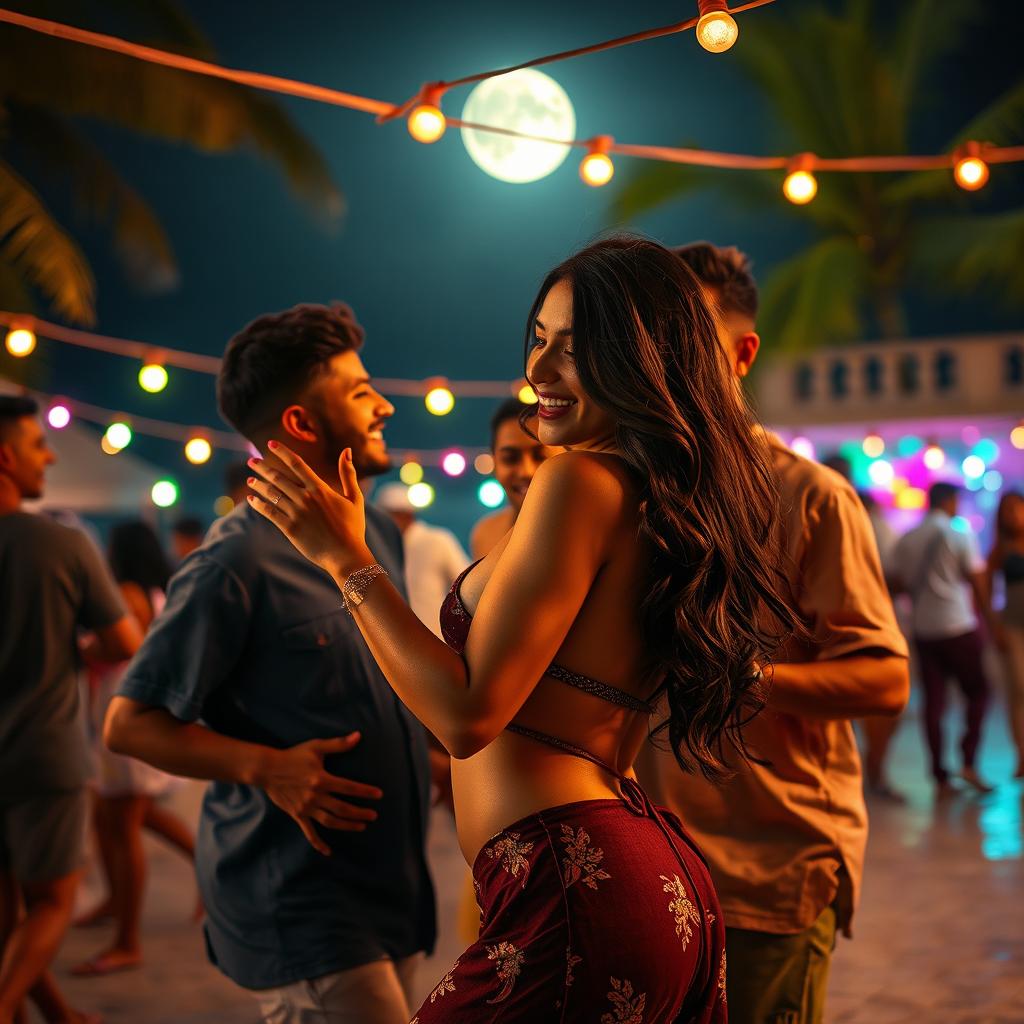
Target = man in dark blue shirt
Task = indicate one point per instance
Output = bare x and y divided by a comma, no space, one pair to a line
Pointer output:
310,848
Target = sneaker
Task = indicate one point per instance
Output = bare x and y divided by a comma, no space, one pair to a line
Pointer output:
973,779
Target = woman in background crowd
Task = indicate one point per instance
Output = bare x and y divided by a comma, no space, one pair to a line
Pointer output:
126,789
1007,558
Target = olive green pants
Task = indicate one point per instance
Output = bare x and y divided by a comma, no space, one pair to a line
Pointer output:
779,979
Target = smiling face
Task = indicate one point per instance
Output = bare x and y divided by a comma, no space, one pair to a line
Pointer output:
346,411
567,415
25,455
517,456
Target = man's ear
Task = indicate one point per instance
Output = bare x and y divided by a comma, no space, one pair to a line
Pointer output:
6,455
746,352
298,424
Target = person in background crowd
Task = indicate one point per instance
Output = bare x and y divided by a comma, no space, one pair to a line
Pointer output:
879,729
517,457
186,536
1007,559
53,583
936,564
235,486
785,836
433,556
315,885
127,789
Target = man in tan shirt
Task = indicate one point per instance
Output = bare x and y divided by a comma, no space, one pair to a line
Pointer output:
785,839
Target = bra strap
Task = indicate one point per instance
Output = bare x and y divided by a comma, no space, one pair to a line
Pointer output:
595,688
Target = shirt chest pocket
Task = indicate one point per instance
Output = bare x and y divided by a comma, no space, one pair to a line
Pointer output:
325,660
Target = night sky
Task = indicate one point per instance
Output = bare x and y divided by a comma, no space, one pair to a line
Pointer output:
439,260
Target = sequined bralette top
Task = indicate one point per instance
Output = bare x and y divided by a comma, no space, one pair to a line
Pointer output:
455,622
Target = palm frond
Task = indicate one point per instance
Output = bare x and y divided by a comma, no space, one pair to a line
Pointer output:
977,254
163,103
100,193
45,256
815,298
925,30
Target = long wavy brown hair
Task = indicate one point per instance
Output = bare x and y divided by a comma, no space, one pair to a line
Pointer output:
714,613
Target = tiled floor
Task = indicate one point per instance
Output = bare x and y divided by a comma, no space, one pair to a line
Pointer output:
939,938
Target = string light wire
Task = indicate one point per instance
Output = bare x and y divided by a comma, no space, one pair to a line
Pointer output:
388,111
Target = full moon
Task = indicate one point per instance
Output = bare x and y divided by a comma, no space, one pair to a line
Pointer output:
526,101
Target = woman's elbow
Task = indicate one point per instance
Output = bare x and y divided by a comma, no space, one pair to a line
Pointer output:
467,739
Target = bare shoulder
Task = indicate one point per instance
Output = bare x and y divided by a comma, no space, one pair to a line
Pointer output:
592,481
489,530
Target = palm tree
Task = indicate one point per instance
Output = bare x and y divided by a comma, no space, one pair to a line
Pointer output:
49,87
849,84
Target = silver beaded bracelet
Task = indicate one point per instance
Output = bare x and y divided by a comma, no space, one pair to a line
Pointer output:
353,593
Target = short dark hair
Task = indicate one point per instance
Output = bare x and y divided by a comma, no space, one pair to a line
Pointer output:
941,492
273,359
15,407
725,269
510,409
188,526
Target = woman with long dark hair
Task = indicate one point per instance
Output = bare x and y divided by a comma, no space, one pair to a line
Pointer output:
1007,559
644,567
127,790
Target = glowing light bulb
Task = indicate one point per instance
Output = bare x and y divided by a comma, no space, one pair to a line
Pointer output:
1017,437
911,498
440,401
986,450
426,123
800,187
881,473
484,464
454,463
118,436
527,395
491,494
164,493
58,416
970,172
973,466
108,448
21,342
992,480
421,495
873,446
410,473
152,378
803,446
934,457
597,169
198,450
223,505
716,29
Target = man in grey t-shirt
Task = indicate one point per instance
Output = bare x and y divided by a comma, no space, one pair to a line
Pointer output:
53,583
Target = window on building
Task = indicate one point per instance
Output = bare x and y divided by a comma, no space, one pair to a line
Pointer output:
1013,373
945,371
874,376
804,382
909,375
839,379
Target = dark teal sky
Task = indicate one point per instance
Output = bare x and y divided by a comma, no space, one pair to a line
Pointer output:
439,260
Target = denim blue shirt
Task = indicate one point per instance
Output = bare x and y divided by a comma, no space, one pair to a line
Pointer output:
254,641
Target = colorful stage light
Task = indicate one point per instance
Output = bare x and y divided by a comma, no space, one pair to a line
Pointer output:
58,416
421,495
992,480
491,493
986,450
881,473
410,473
164,493
484,464
439,400
198,450
454,463
803,446
973,466
873,446
153,378
118,436
934,457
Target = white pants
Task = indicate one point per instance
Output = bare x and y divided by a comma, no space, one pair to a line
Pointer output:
374,993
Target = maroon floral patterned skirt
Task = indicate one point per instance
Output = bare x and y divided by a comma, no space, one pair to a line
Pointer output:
592,911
